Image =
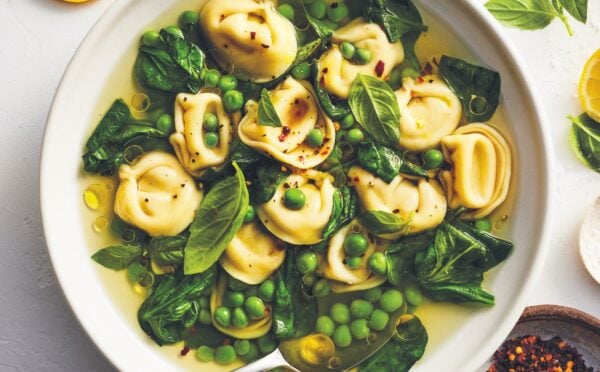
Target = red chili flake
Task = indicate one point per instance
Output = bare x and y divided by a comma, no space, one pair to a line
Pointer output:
395,211
356,179
301,158
222,17
252,35
184,351
379,68
420,80
285,131
265,46
325,70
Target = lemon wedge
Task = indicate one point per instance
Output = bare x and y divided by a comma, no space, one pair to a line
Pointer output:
589,86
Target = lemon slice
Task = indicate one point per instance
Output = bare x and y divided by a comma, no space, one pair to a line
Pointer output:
589,241
589,86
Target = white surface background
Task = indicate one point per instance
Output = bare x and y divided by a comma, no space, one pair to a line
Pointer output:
37,39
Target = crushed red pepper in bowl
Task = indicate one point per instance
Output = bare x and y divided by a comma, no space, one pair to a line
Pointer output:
531,353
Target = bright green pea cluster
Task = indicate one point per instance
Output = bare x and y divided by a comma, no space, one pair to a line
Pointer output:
350,52
331,14
355,246
243,303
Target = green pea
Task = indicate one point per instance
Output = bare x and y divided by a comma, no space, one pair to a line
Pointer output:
204,302
250,214
252,354
236,285
395,79
251,291
205,354
342,337
151,38
360,309
227,83
348,50
266,290
255,307
354,263
325,325
301,71
176,31
355,136
307,262
356,244
204,317
225,355
165,123
377,264
363,56
210,123
359,328
347,121
239,319
211,78
336,12
189,18
391,300
233,299
411,73
433,159
266,344
378,320
287,11
242,347
413,295
223,316
317,9
233,101
294,198
315,138
211,139
372,294
484,224
340,313
321,288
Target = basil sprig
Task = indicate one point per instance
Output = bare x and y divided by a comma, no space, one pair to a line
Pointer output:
267,115
585,140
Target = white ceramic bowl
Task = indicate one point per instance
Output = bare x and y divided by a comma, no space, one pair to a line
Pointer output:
75,107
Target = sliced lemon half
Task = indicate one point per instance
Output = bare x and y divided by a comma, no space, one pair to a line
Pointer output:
589,87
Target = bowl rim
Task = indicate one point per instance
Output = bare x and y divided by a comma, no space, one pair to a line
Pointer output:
111,14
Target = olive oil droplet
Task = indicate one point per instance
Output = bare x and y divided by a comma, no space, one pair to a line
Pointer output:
140,102
95,196
100,224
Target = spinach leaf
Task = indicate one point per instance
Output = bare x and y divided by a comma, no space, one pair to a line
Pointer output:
203,335
283,311
385,162
264,182
585,140
220,215
345,209
374,106
267,115
334,107
400,255
174,65
576,8
117,257
170,304
477,87
382,223
167,250
402,351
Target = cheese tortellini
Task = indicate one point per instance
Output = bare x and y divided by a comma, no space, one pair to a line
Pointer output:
255,329
253,255
299,111
157,195
304,226
421,202
188,139
251,36
429,110
342,278
481,169
336,73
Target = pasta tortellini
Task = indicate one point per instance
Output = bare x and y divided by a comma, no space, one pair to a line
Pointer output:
421,202
297,107
253,255
251,36
481,169
336,73
157,195
342,278
188,139
429,110
304,226
255,328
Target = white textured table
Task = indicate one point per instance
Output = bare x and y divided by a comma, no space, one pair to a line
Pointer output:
37,39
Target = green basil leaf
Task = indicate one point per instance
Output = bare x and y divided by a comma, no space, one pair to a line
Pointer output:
585,140
345,209
578,9
523,14
167,250
385,162
375,107
117,257
267,115
477,87
264,182
136,272
382,223
220,215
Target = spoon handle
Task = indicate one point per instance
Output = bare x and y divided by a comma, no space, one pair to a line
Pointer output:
268,362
